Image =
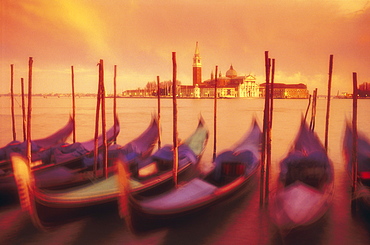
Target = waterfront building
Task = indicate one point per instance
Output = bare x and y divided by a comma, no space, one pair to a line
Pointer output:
186,91
364,90
230,86
136,93
286,91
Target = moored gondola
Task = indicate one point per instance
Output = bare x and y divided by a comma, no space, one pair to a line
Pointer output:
157,169
60,164
96,192
362,190
79,167
305,183
232,171
39,149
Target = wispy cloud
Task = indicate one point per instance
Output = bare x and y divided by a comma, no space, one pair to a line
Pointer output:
139,37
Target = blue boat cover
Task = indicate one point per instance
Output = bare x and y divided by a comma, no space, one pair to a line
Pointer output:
246,158
298,158
68,152
38,153
186,155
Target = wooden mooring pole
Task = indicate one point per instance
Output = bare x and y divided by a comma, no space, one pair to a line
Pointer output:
12,100
103,119
265,127
24,119
115,103
354,140
96,135
159,111
328,103
73,104
215,119
268,131
272,91
174,100
308,107
29,112
313,114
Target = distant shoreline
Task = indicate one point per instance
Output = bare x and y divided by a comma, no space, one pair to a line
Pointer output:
168,97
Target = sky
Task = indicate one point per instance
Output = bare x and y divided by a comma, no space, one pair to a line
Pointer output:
139,37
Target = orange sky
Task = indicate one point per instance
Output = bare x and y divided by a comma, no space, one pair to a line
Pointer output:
139,35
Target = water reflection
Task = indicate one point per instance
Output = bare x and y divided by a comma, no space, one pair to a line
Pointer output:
240,221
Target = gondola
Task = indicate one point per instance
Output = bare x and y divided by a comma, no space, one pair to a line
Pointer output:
39,148
37,145
232,171
101,191
305,183
79,168
157,169
362,194
58,165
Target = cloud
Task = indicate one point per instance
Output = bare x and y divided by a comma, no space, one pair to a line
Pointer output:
139,37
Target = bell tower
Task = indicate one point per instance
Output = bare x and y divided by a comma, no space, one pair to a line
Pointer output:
197,67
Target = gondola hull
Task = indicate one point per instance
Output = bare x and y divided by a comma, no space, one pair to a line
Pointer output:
50,173
362,193
232,172
39,148
158,167
305,184
75,172
97,192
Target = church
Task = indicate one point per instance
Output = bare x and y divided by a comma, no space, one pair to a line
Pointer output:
229,86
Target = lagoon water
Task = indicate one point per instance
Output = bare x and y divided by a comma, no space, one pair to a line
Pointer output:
240,221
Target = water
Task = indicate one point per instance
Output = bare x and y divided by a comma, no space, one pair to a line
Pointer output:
239,221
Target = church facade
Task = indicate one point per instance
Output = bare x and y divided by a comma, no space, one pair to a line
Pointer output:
229,86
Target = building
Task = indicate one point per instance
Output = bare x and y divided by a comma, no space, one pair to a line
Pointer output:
286,91
136,93
197,67
230,86
364,90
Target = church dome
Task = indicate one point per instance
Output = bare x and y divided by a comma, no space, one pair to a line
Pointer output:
231,72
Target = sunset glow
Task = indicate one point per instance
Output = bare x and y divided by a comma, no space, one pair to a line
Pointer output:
139,36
